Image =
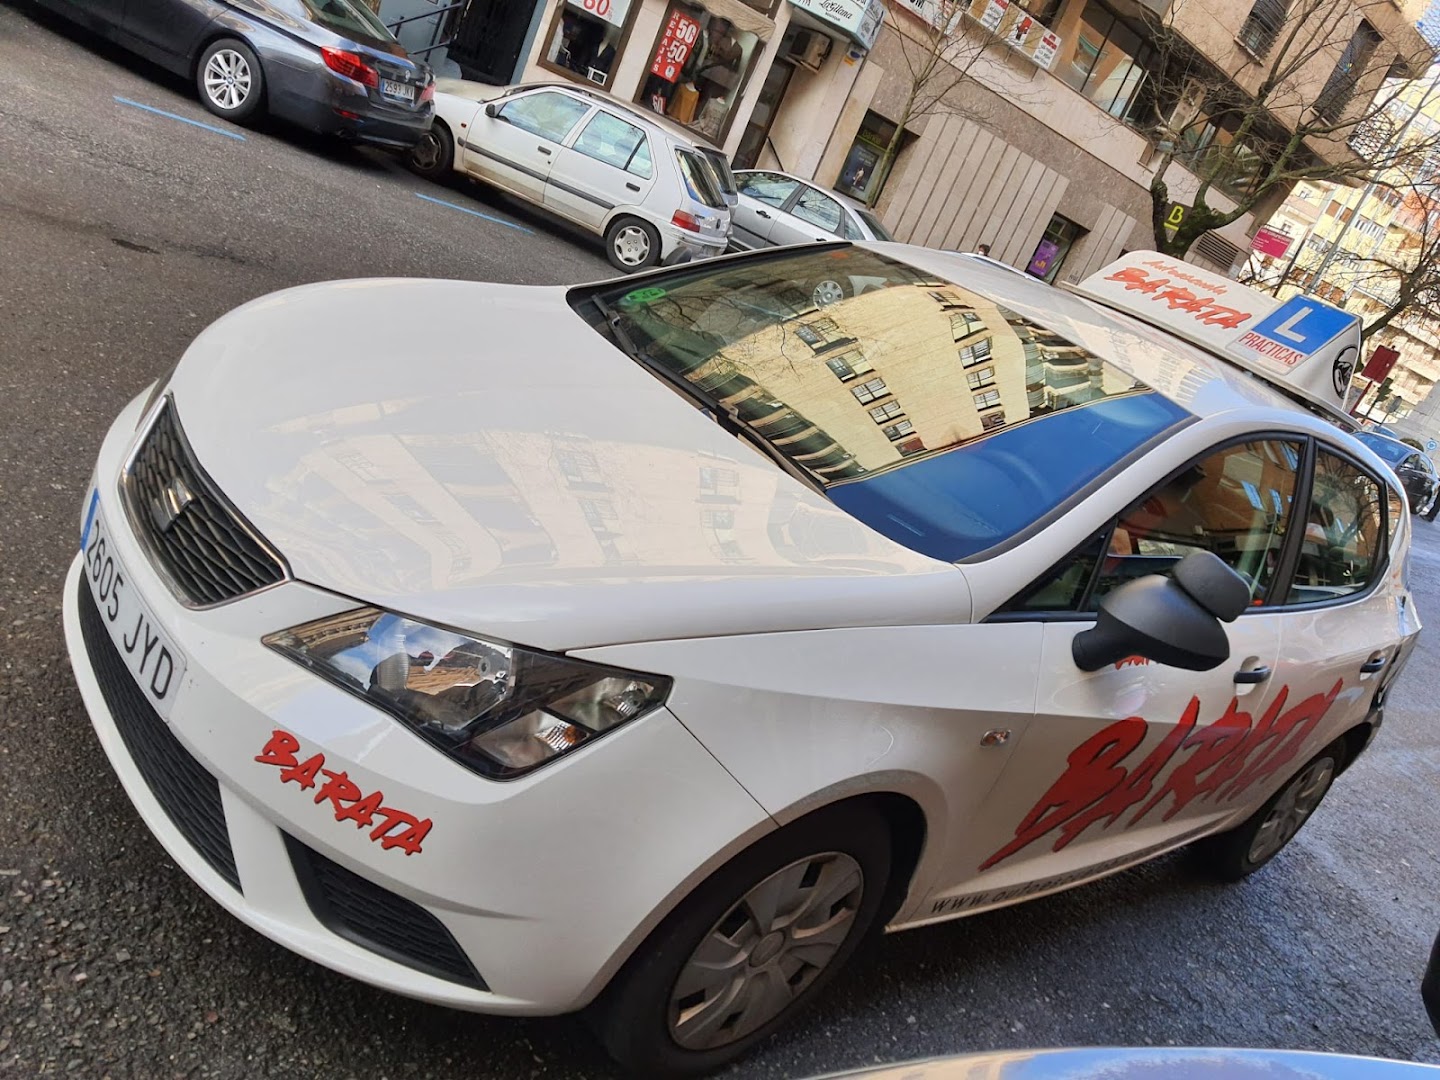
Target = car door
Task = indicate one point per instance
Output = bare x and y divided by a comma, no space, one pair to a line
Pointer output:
609,163
1416,479
168,30
1137,757
762,194
516,148
810,215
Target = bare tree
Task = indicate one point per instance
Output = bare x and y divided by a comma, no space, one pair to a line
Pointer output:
1248,149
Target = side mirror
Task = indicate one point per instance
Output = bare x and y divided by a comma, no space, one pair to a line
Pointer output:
492,109
1174,620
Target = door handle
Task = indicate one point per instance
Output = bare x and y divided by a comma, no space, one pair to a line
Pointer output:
544,150
632,187
1374,664
1249,676
762,213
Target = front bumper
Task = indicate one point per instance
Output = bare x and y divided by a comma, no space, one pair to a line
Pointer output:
524,897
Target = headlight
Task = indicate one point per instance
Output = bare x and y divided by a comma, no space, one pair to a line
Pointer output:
498,709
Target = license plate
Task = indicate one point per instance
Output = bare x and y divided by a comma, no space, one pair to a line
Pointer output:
157,665
391,88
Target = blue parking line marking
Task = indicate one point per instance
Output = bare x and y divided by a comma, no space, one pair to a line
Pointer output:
89,518
183,119
476,213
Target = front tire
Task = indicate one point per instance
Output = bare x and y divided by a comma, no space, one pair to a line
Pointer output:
230,81
632,244
750,947
433,157
1239,852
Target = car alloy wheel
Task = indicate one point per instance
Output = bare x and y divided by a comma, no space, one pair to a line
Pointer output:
631,245
1295,805
827,292
228,79
426,154
766,950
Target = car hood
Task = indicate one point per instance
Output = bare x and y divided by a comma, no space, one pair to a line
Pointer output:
476,455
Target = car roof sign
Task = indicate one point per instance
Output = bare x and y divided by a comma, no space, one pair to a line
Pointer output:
1303,345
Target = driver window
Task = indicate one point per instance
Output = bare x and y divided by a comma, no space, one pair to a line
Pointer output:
1344,534
1234,503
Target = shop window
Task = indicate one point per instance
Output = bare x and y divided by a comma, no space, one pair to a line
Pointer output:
609,139
762,116
861,177
1050,252
1108,61
585,37
698,69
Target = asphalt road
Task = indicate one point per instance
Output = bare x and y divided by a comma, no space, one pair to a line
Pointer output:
122,233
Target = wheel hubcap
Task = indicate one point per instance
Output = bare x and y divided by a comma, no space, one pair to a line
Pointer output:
827,292
632,245
227,79
766,950
1291,810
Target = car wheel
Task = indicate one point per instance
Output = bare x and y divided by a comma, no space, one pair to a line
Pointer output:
1241,851
434,155
230,81
749,947
829,291
632,244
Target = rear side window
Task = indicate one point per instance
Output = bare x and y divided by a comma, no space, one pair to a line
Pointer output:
698,179
1344,533
1236,503
609,139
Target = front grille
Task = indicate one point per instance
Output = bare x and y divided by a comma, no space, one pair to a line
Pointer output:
377,919
188,794
201,544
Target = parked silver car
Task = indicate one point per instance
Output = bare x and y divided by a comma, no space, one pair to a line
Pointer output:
777,208
638,180
327,65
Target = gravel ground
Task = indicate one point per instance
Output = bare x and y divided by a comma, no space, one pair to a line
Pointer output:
122,234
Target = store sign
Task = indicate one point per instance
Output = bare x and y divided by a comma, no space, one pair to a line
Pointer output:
1270,242
859,19
1302,342
611,11
1006,19
681,33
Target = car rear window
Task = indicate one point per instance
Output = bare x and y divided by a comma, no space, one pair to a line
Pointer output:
1388,450
873,223
720,166
699,179
924,409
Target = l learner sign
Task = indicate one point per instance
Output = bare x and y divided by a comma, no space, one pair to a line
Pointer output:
1303,345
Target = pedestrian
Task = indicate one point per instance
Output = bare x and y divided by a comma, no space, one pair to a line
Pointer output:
982,249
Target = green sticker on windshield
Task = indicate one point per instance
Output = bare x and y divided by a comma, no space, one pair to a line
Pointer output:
643,296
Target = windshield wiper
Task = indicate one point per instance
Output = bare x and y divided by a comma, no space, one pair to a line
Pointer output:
724,415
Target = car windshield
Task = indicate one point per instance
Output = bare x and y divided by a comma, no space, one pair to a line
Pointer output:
877,230
350,19
928,411
1388,450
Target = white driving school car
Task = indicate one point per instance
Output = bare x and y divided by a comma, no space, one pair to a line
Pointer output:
644,653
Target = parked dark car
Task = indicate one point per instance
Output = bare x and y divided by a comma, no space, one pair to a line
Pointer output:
1414,468
327,65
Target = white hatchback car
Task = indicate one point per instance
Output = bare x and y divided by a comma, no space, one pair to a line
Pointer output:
632,177
650,674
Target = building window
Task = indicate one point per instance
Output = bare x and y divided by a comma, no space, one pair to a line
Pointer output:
965,324
820,334
911,447
862,176
992,420
1262,26
887,411
585,37
717,519
698,69
980,376
713,480
975,354
849,364
1107,61
1050,252
598,511
868,392
1340,87
987,399
898,431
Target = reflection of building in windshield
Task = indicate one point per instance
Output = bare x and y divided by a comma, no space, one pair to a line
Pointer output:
896,373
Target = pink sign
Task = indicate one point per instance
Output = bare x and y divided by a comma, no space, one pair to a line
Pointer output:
1269,242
